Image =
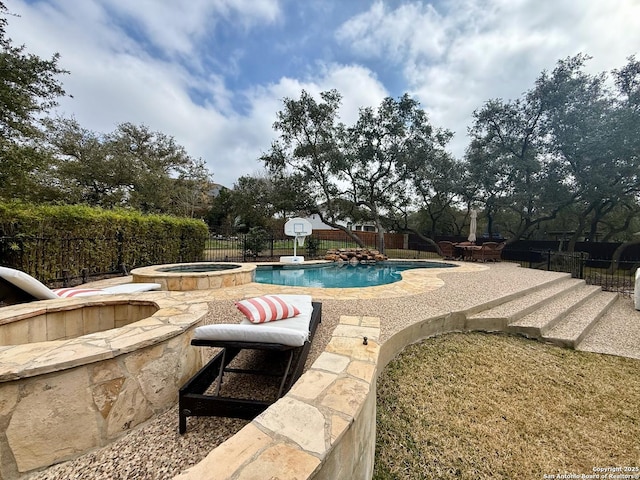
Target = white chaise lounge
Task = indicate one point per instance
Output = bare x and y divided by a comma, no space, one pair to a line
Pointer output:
202,396
39,291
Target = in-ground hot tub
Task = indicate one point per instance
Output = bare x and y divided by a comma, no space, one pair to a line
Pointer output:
196,276
77,373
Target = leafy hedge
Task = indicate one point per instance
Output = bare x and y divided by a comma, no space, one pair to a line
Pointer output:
53,242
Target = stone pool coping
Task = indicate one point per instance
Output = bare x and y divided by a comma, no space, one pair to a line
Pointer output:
189,281
414,281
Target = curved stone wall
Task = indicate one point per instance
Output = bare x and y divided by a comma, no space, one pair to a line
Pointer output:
323,428
67,321
185,280
60,399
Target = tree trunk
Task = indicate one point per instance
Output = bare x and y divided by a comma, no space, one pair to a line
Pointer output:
348,232
615,258
381,245
430,241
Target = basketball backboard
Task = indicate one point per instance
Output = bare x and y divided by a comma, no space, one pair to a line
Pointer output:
297,227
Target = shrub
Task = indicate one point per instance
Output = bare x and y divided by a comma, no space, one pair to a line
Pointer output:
255,241
51,242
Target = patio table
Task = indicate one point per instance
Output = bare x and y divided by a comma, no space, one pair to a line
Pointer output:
463,251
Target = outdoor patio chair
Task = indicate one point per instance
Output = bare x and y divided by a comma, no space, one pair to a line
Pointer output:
32,289
448,250
288,338
488,252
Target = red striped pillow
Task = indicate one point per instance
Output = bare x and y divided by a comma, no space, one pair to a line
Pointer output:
73,292
266,309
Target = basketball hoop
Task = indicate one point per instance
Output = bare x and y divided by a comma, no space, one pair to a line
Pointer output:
299,228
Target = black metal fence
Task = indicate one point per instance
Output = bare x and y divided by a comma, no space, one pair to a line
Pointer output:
71,261
31,255
611,276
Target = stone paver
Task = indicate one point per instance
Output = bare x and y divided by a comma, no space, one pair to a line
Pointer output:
223,461
299,421
313,383
281,462
331,362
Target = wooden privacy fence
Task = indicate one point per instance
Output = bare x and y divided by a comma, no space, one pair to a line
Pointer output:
370,239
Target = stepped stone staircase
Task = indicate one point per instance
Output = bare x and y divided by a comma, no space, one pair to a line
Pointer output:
562,311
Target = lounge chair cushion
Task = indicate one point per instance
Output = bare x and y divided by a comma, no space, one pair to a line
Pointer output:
266,309
115,289
292,331
38,290
78,292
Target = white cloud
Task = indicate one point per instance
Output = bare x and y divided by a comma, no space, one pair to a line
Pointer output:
414,30
451,56
459,54
175,29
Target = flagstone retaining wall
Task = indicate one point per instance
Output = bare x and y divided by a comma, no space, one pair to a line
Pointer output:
61,398
324,428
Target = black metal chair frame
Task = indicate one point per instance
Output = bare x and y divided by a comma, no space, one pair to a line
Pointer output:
194,401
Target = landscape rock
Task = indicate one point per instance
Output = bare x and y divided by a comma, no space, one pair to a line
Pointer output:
355,255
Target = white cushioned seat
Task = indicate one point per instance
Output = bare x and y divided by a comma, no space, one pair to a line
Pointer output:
292,331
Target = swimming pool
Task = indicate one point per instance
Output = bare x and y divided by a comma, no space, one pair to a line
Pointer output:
339,275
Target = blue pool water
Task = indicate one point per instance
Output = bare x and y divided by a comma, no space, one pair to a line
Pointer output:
338,275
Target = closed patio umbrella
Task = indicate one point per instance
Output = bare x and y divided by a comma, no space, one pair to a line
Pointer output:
473,226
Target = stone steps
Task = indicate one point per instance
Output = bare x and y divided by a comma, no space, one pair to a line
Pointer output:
576,325
538,322
506,313
561,312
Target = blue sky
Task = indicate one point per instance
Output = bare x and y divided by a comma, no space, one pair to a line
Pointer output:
213,73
